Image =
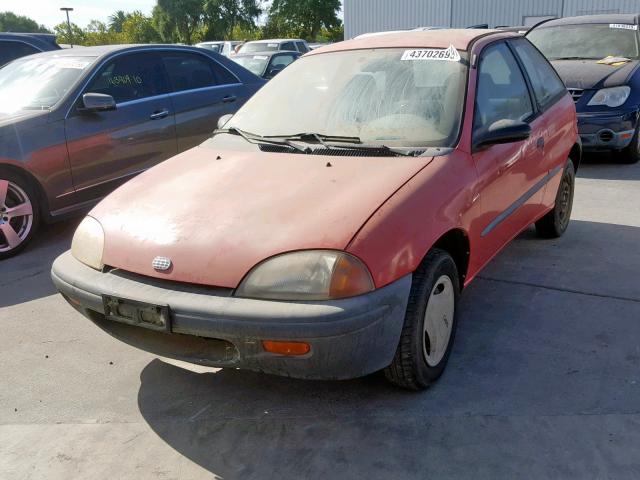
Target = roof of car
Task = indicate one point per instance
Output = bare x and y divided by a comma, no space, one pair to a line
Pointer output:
43,41
630,18
459,38
103,50
277,40
267,53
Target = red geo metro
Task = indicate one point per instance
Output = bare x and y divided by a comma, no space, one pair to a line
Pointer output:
327,229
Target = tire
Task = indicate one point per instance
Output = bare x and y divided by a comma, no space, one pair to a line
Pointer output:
631,154
19,213
556,222
435,290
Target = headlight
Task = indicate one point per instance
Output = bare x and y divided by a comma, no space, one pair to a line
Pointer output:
611,97
88,243
307,275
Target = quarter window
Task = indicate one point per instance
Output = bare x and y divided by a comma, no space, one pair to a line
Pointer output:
188,71
502,93
544,79
288,46
131,77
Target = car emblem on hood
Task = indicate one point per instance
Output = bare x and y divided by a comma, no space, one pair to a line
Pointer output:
161,264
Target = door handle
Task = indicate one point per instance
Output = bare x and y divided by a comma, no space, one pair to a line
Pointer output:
540,143
159,114
229,99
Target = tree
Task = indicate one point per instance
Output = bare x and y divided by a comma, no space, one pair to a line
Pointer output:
138,28
10,22
62,34
178,20
302,18
116,21
221,17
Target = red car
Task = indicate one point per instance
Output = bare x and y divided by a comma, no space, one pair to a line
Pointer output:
327,229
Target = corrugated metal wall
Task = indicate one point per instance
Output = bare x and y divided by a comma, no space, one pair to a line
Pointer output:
363,16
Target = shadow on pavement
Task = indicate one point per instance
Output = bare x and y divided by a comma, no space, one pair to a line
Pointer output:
25,277
603,166
538,375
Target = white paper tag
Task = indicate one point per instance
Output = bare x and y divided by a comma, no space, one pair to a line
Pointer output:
260,57
448,54
75,64
623,26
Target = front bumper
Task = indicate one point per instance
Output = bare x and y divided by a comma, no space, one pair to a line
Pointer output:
607,131
349,338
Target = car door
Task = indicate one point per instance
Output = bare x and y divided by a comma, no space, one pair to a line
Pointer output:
509,173
107,148
549,92
202,91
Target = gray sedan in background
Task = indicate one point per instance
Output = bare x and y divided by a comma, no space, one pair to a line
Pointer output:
75,124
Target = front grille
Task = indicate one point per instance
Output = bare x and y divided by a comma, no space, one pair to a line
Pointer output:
576,93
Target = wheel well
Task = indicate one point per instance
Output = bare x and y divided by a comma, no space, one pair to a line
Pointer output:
456,243
576,155
43,202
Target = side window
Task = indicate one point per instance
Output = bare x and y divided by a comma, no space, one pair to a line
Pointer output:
11,50
288,46
223,76
502,92
188,71
302,47
544,79
282,60
130,77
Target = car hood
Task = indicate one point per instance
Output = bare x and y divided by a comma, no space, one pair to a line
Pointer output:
215,214
589,74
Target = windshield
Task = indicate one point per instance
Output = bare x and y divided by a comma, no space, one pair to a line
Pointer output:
373,95
254,63
594,41
39,83
253,47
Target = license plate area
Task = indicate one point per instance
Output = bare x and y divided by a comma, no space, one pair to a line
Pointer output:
139,314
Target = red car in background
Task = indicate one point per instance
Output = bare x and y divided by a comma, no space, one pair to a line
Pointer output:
327,229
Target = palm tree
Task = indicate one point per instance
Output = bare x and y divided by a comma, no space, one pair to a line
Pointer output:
117,20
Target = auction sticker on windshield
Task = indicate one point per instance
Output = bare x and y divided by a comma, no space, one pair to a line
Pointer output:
448,54
623,26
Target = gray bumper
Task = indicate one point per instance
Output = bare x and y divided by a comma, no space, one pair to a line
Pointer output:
349,338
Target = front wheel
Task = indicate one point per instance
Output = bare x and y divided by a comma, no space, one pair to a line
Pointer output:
429,325
19,215
556,222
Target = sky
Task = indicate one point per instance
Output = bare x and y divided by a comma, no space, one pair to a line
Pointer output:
47,12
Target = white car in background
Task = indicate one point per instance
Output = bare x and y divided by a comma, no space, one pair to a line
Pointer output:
227,48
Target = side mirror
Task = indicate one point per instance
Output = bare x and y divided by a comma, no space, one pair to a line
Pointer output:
98,102
223,120
502,131
273,71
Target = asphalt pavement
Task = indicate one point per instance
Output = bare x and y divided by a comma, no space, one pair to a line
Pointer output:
543,381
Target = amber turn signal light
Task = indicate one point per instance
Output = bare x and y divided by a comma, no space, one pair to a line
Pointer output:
286,348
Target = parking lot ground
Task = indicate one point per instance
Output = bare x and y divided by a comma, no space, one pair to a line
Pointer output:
543,382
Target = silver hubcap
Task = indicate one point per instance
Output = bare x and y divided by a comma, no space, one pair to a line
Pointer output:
438,321
16,215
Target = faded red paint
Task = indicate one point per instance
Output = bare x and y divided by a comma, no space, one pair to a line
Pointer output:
216,219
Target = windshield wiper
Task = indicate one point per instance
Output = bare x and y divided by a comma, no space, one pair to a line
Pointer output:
573,58
260,140
346,143
319,138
